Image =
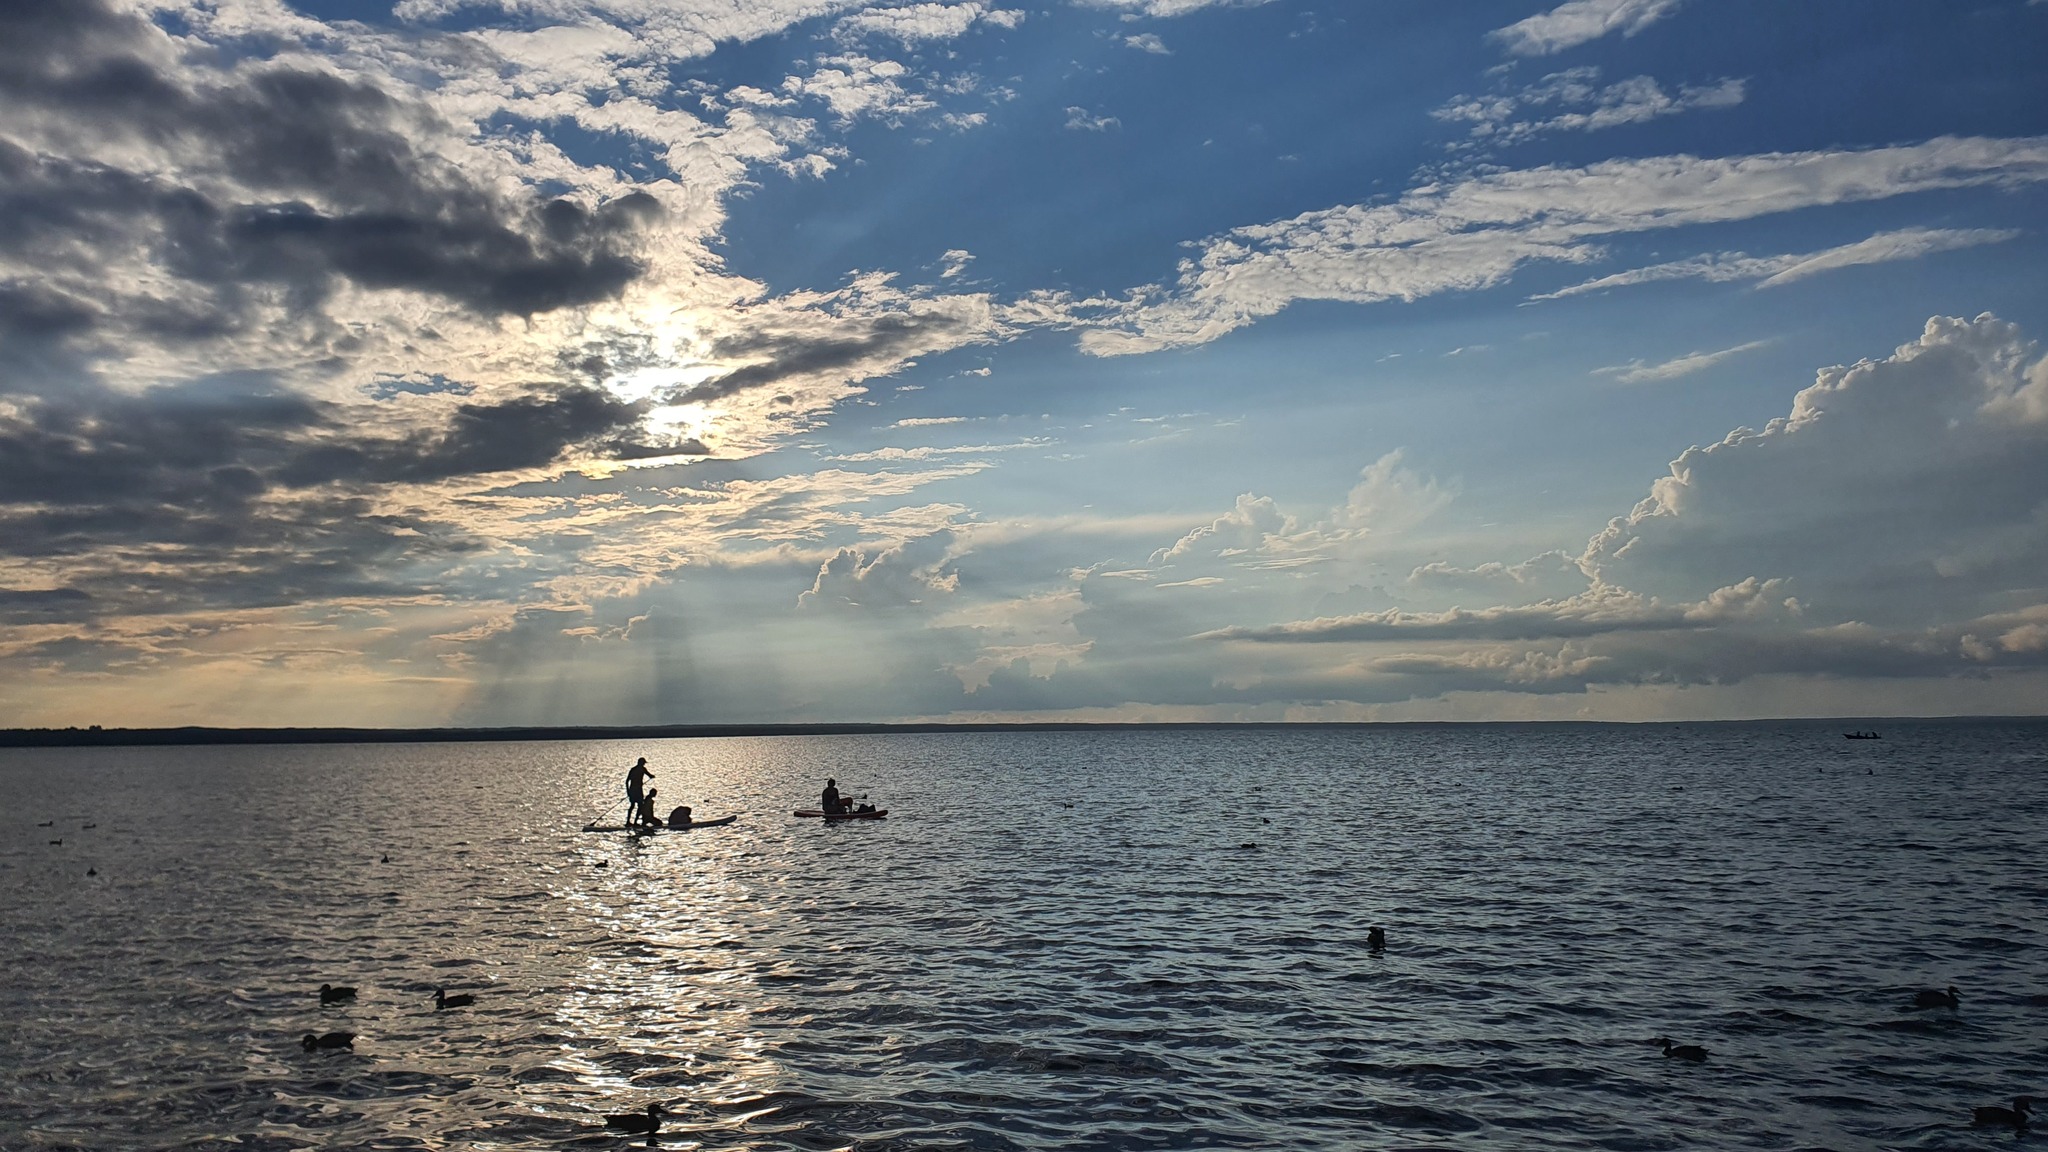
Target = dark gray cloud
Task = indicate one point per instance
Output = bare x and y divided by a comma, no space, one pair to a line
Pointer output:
854,347
231,493
289,177
481,438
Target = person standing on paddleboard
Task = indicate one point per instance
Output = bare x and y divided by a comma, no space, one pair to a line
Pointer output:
636,777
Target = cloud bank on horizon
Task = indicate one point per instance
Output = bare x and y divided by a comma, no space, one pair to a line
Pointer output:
612,361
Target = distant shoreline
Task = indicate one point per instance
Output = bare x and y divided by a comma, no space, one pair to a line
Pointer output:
127,737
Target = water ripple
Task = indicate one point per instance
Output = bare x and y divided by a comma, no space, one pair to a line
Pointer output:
1177,960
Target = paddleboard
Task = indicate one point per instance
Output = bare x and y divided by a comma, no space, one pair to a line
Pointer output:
814,813
721,822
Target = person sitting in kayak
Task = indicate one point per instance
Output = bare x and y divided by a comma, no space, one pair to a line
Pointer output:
833,804
636,776
680,818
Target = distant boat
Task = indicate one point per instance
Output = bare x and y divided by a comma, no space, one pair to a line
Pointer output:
1861,736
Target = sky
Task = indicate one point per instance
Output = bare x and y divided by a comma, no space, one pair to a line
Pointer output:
520,362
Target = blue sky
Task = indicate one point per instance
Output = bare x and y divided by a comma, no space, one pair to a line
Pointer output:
613,361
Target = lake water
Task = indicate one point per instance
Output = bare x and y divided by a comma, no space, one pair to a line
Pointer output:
1102,940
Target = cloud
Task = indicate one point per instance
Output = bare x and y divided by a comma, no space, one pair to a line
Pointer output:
1033,635
1148,42
1245,528
907,573
821,342
177,196
1168,8
1081,120
860,87
1478,232
1550,572
1637,372
1771,271
1600,610
1909,489
1503,119
1894,526
1578,21
915,24
1256,534
934,453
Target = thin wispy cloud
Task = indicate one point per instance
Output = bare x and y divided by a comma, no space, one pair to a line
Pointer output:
1637,372
1769,271
1478,232
1578,22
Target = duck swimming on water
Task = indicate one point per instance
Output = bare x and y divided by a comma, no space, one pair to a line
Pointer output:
329,994
328,1040
2014,1117
1692,1052
1929,998
637,1123
442,1000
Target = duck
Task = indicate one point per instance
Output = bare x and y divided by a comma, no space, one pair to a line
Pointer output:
2014,1117
328,1040
1692,1052
1376,939
329,994
443,1001
634,1122
1930,998
46,824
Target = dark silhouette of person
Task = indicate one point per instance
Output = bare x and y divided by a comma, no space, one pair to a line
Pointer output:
833,804
636,777
645,817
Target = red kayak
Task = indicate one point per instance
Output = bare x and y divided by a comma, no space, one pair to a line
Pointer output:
817,812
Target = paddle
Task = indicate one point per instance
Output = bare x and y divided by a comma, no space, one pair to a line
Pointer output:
603,814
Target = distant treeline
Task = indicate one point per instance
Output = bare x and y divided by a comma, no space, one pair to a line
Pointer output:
112,737
102,737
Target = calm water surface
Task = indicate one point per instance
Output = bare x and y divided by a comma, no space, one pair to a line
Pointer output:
1121,940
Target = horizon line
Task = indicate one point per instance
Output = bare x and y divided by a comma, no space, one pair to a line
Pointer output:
98,736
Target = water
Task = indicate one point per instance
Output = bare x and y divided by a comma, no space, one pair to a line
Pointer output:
1175,961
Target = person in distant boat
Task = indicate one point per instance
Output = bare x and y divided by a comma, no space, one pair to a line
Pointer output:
833,805
680,817
636,778
645,816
